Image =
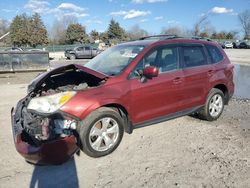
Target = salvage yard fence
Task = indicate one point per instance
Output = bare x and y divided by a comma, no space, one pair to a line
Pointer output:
53,48
19,61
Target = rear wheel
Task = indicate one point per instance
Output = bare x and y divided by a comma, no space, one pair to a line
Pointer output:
214,105
101,132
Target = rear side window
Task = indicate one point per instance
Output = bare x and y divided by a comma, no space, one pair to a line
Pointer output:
194,56
87,48
214,53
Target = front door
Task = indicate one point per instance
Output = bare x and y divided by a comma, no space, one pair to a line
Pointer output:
161,95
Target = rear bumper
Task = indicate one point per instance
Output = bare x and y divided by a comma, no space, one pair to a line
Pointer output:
52,152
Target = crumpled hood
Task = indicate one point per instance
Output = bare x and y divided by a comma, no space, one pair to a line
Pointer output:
42,77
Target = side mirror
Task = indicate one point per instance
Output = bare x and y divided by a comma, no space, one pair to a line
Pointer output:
150,72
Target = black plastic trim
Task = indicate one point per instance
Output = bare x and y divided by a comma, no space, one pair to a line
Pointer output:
168,117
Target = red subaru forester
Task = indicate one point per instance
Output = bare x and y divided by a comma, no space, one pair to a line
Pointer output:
131,85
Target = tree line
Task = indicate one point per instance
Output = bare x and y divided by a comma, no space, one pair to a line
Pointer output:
31,31
28,31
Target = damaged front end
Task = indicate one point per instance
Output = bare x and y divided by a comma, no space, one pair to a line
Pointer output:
44,134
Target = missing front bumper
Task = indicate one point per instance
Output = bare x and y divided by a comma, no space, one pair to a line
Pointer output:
50,152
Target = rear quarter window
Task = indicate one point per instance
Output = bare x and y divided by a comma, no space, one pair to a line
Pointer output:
214,53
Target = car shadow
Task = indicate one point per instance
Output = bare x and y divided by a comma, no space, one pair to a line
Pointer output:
64,175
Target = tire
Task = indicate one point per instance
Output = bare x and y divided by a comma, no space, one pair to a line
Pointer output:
72,57
214,105
97,140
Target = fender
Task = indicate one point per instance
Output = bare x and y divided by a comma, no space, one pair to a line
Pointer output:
128,127
98,104
87,109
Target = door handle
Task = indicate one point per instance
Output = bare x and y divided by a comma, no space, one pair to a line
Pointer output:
177,80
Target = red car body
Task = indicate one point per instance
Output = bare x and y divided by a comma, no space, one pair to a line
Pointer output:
183,89
166,96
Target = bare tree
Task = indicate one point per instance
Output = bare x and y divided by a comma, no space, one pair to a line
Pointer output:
244,18
58,33
201,25
4,26
4,29
59,27
175,30
136,32
68,20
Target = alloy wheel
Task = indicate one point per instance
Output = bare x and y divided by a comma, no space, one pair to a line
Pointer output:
215,105
104,134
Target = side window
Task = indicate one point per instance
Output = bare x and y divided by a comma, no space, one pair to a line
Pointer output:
150,58
87,48
214,53
79,49
194,56
169,59
164,58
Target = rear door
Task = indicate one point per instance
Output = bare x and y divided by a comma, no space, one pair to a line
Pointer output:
87,52
197,71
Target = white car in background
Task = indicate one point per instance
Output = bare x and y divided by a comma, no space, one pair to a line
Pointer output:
228,44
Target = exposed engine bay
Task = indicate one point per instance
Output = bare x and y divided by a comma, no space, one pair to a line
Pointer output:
73,79
42,127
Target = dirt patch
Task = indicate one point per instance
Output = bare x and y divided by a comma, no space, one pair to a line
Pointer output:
239,56
18,78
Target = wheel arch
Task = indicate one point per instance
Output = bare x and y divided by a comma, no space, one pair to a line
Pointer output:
224,89
73,53
124,114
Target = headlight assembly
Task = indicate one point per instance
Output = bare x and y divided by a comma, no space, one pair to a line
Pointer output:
51,103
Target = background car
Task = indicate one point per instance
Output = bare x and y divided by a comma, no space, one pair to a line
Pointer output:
222,44
81,52
245,45
35,50
14,49
228,44
236,44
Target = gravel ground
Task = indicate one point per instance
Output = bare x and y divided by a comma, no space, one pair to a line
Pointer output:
239,56
184,152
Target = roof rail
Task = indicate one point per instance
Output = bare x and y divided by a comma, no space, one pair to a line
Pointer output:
162,37
166,37
201,38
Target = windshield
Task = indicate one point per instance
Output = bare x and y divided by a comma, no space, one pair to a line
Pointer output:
113,60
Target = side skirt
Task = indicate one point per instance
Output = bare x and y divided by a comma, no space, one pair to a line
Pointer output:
166,118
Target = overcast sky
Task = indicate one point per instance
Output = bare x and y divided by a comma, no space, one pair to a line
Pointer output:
151,15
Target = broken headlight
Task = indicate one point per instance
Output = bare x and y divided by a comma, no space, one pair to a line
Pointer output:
51,103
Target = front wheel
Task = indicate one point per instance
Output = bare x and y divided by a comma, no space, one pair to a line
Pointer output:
101,132
72,57
214,105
